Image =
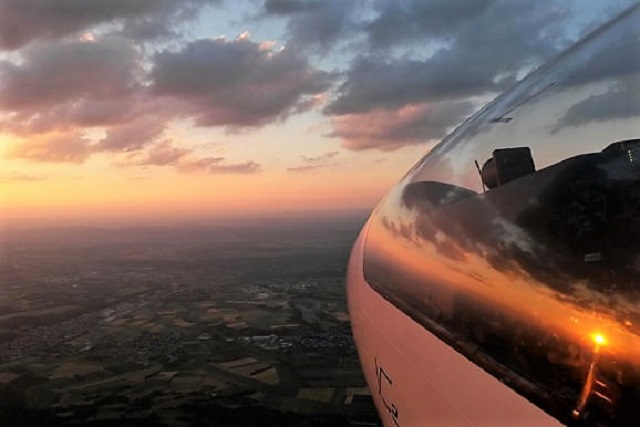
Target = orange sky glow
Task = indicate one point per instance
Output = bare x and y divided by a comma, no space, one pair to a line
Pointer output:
218,108
98,190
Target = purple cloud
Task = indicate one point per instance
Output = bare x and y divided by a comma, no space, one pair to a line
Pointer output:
25,21
236,83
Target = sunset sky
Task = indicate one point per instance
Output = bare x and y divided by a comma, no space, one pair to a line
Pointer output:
113,109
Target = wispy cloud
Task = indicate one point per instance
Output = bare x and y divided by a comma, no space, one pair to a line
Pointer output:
314,163
132,136
20,177
320,159
305,169
217,165
167,154
391,129
70,147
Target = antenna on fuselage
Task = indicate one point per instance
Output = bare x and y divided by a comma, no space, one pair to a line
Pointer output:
484,189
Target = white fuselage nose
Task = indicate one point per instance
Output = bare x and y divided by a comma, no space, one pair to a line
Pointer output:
418,381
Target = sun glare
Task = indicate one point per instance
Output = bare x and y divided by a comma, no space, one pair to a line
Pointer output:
599,339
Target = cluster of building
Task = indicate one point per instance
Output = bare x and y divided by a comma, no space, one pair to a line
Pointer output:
303,341
44,338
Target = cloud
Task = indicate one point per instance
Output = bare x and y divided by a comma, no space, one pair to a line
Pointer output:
616,67
132,136
216,165
166,153
320,159
313,163
54,73
236,83
163,153
313,24
622,58
477,59
60,88
285,7
619,103
78,64
387,101
69,83
67,115
392,129
306,168
24,21
398,22
374,83
20,177
70,147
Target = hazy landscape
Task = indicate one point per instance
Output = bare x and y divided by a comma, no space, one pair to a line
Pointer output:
229,324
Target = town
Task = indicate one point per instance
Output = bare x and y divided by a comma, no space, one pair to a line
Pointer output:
180,326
